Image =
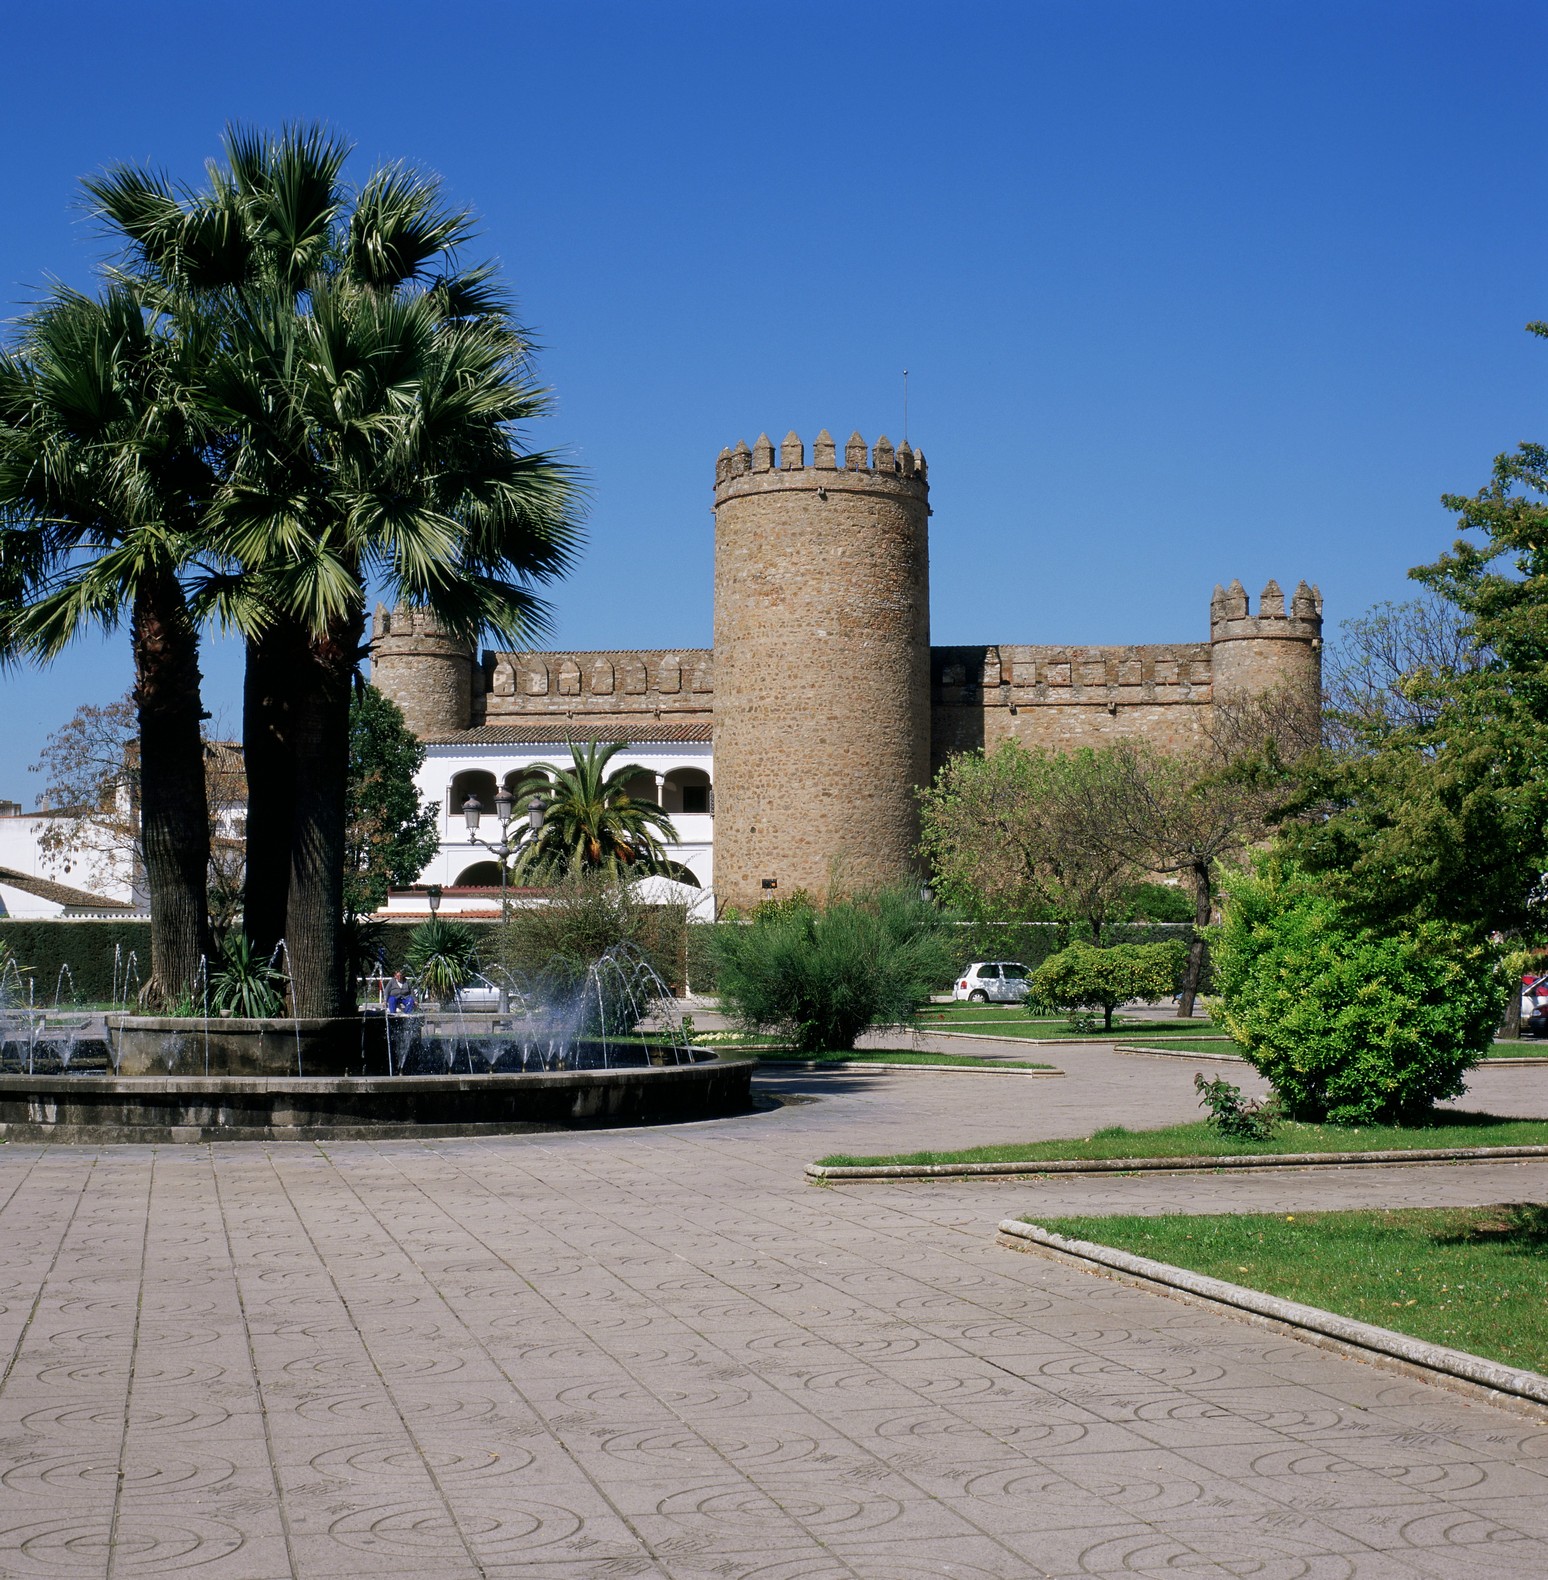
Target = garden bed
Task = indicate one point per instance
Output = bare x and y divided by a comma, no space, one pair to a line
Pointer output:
1200,1140
1469,1278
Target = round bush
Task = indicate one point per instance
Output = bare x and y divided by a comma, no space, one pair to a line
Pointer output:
1351,1025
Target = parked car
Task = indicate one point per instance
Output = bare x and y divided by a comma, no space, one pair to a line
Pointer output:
1534,1005
993,982
478,992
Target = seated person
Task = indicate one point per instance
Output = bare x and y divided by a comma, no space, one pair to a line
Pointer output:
400,996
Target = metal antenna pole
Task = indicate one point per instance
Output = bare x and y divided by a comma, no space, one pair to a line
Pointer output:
905,405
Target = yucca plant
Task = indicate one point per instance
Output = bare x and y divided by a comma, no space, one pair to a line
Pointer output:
246,986
441,957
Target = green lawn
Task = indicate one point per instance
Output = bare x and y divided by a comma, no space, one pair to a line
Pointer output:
1470,1278
955,1061
1201,1139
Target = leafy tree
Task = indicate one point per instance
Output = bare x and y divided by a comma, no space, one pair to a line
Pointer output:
590,821
1018,835
1349,1023
1387,667
374,392
92,789
1443,816
1186,813
1084,977
105,472
821,974
390,837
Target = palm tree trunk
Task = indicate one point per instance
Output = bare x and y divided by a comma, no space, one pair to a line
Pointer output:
1203,909
315,908
174,808
271,792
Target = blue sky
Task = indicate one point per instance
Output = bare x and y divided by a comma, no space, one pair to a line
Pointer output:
1187,291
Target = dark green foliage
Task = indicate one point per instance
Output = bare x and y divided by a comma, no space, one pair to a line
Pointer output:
1349,1023
391,838
588,913
442,955
820,975
245,985
42,947
1231,1115
1084,977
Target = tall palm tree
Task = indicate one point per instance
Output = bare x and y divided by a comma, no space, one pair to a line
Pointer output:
105,468
376,392
590,821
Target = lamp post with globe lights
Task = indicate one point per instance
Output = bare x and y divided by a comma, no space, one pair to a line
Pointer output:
509,843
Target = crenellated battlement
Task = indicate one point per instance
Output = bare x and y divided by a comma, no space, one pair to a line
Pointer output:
641,683
1230,619
742,467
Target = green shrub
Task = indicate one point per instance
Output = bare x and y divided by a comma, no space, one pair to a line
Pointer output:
441,956
820,975
1085,977
245,985
1349,1024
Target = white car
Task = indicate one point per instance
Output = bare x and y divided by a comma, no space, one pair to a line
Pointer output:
993,982
478,992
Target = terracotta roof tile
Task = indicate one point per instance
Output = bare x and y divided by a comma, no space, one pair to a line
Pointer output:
559,731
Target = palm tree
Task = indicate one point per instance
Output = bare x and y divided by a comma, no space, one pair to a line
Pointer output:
376,394
590,821
104,471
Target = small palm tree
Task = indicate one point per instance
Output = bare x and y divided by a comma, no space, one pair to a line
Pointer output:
590,821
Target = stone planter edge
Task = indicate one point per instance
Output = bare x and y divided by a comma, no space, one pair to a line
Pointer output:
1363,1339
1253,1160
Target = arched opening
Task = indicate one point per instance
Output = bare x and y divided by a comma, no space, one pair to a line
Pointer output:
481,875
477,782
687,793
641,786
513,779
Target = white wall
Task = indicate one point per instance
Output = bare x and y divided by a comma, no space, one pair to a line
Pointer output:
695,849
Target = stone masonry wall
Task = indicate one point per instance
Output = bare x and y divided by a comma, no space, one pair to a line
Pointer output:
821,666
645,686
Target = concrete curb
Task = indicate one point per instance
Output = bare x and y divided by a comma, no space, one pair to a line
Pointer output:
1042,1042
1246,1160
914,1069
1176,1053
1361,1337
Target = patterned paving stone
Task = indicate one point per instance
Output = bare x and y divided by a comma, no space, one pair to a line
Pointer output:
663,1354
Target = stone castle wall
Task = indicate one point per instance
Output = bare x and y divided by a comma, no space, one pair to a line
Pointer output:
528,688
828,706
822,640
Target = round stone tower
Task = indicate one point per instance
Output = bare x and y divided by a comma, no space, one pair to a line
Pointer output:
1271,651
822,666
426,672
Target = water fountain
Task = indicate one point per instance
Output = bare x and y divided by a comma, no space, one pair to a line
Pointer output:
607,1048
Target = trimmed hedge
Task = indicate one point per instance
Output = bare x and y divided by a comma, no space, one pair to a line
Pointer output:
40,948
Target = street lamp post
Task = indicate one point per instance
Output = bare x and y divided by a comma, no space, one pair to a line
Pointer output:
507,845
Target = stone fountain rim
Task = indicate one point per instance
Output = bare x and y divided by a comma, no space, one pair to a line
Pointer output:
44,1085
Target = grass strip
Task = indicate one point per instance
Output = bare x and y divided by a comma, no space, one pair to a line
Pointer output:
1470,1278
952,1061
1200,1139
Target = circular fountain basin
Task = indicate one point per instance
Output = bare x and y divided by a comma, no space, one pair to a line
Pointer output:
167,1045
154,1108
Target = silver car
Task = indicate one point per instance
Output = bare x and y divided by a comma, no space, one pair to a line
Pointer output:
993,982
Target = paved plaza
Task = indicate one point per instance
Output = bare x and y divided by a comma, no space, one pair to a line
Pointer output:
663,1353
